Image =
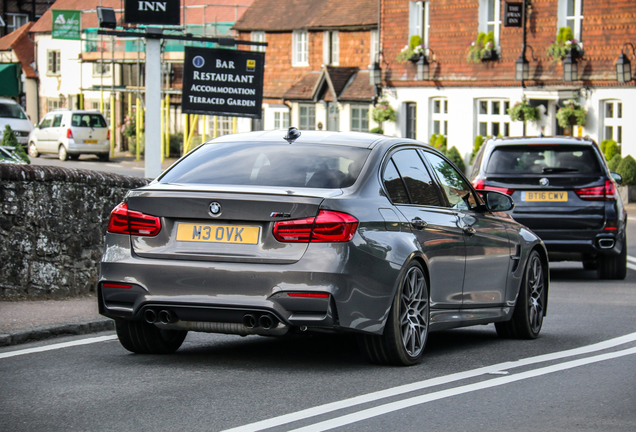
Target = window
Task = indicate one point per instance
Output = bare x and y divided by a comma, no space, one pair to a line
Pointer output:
52,104
490,18
439,116
394,185
543,159
570,14
53,63
281,119
492,117
101,69
300,47
375,47
307,116
420,186
87,120
258,36
613,121
418,20
220,125
15,21
458,192
106,113
57,120
331,48
411,120
360,118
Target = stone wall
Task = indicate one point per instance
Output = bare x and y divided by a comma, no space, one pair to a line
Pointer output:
52,226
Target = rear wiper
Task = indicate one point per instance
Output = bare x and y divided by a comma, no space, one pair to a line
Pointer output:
558,169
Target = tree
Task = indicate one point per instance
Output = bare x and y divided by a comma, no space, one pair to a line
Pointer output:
9,140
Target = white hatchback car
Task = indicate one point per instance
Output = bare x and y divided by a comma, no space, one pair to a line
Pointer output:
70,133
12,114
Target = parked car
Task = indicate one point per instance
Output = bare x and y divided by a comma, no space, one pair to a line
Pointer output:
71,133
8,155
563,192
12,114
331,232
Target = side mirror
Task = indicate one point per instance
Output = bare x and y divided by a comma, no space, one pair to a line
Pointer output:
497,201
617,178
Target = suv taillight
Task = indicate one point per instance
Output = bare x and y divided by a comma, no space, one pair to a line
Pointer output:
327,227
481,185
108,136
124,221
598,193
69,133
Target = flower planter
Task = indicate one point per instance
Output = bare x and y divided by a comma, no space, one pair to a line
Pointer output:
489,55
415,58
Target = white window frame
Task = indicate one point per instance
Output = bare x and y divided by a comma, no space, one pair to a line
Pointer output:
575,21
52,104
331,48
419,20
281,119
375,47
440,118
615,121
300,48
56,62
224,125
11,25
309,125
100,69
485,23
491,118
258,36
360,118
106,113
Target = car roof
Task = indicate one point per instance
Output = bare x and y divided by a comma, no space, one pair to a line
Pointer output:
352,139
561,140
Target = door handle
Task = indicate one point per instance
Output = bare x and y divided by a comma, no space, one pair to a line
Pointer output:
418,223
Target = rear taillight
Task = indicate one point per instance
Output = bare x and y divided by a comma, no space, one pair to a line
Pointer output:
69,134
308,295
481,185
327,227
124,221
108,135
598,193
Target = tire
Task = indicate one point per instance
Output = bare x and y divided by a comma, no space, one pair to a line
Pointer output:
406,329
61,153
33,150
143,338
591,264
74,157
613,266
527,317
104,157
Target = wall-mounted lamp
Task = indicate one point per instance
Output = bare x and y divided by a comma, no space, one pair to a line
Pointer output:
570,67
424,67
522,68
375,75
623,65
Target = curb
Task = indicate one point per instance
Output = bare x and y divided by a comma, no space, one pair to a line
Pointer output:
47,332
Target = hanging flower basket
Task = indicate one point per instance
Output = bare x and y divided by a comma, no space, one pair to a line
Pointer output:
383,112
522,111
571,115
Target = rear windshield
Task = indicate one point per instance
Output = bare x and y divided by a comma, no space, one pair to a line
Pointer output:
543,160
11,111
88,120
269,164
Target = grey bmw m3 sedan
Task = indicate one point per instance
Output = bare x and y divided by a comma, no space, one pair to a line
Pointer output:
260,234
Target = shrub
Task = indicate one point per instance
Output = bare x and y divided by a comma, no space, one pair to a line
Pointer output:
440,143
132,145
456,158
9,140
609,149
614,162
377,130
176,144
479,141
627,170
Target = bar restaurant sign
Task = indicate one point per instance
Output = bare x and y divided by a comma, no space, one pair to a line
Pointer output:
513,14
162,12
67,24
222,82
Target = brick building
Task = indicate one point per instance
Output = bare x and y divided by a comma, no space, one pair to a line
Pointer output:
462,99
316,64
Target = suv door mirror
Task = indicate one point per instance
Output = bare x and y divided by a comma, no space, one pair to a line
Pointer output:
497,201
617,178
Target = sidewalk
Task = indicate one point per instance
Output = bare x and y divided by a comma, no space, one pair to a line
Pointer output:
27,321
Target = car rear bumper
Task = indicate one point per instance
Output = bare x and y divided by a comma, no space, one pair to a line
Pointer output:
74,148
582,242
225,292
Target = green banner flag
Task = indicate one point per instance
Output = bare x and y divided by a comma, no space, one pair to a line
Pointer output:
67,24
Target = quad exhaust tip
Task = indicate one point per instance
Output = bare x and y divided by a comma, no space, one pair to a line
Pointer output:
265,321
606,243
167,317
249,321
150,316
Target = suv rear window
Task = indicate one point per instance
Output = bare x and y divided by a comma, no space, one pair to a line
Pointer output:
270,164
543,160
88,120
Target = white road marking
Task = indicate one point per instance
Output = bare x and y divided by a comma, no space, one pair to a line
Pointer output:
630,260
406,403
57,346
395,391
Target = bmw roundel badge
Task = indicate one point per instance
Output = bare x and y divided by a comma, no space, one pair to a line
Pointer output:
544,181
215,209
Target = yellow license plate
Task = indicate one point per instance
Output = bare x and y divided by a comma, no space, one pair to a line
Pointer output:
547,196
90,141
218,233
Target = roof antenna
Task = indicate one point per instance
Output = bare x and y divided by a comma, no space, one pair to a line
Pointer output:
292,135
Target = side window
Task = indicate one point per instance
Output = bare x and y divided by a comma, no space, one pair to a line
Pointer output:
394,185
57,120
46,122
457,190
418,181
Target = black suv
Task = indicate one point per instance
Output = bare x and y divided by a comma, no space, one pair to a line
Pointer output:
565,193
